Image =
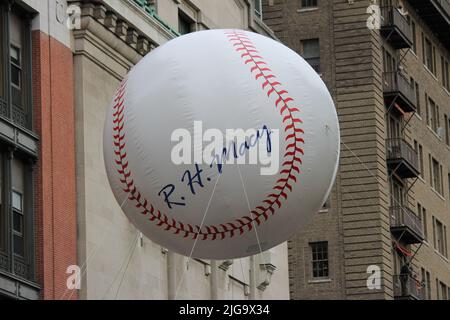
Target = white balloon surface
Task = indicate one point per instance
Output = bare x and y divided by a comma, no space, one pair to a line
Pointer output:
181,169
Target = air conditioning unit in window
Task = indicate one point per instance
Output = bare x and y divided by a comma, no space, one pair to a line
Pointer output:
440,132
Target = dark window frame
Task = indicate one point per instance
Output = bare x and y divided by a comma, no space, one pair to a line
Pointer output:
22,267
258,8
312,59
20,114
308,4
184,23
320,260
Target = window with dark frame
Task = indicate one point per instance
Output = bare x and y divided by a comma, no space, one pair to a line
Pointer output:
417,95
17,203
2,67
184,23
447,129
422,213
258,8
16,176
443,289
311,53
414,36
433,119
436,177
424,281
419,151
308,4
445,73
319,252
429,54
440,237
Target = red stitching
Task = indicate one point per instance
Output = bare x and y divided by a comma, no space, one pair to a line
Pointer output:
289,168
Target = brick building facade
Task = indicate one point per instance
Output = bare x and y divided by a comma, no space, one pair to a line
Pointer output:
38,216
386,65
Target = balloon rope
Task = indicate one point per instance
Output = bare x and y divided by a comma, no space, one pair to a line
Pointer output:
251,214
397,202
242,269
126,268
125,262
196,238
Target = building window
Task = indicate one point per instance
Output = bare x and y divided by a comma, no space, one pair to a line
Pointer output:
445,73
426,283
422,213
16,184
429,54
414,36
433,120
436,178
416,88
449,185
308,4
320,259
419,150
15,67
447,129
440,236
441,290
311,53
16,178
2,63
16,76
184,23
258,8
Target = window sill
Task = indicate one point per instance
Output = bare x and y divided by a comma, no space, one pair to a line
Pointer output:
434,133
421,178
418,116
307,9
431,73
316,281
441,255
324,210
446,91
425,242
438,194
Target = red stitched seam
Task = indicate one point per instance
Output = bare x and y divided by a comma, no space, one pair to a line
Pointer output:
241,43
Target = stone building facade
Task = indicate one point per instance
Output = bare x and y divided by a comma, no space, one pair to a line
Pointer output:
62,234
383,232
116,261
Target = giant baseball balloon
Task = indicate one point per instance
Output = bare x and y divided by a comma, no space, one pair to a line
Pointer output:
220,144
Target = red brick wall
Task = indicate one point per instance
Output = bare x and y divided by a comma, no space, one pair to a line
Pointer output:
55,171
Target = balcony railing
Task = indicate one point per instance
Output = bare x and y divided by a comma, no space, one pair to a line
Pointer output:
395,27
402,158
408,288
406,225
396,86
